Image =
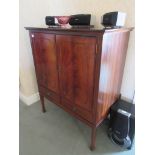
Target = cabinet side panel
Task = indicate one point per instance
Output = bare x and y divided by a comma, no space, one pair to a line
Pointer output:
114,48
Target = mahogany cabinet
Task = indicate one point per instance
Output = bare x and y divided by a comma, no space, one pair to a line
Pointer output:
80,70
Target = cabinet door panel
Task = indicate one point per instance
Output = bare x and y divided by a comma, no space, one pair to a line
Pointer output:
45,57
84,55
77,60
66,67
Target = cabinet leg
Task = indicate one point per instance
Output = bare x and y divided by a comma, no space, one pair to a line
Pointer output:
42,103
93,139
119,96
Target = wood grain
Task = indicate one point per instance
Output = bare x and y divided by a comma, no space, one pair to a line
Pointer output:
76,62
80,70
111,72
45,55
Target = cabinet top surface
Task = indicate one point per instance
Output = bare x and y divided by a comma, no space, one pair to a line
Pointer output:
98,30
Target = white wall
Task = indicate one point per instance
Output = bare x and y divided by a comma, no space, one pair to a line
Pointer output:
32,13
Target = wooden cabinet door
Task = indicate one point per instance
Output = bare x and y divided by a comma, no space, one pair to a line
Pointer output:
77,61
45,58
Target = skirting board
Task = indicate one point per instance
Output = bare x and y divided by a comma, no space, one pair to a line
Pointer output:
28,100
127,99
35,97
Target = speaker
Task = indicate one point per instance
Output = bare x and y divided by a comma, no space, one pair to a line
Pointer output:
50,20
80,19
122,123
113,19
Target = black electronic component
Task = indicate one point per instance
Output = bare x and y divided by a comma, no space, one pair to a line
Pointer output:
80,19
50,20
122,123
113,19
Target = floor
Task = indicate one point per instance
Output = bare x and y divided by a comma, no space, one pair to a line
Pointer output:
57,133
